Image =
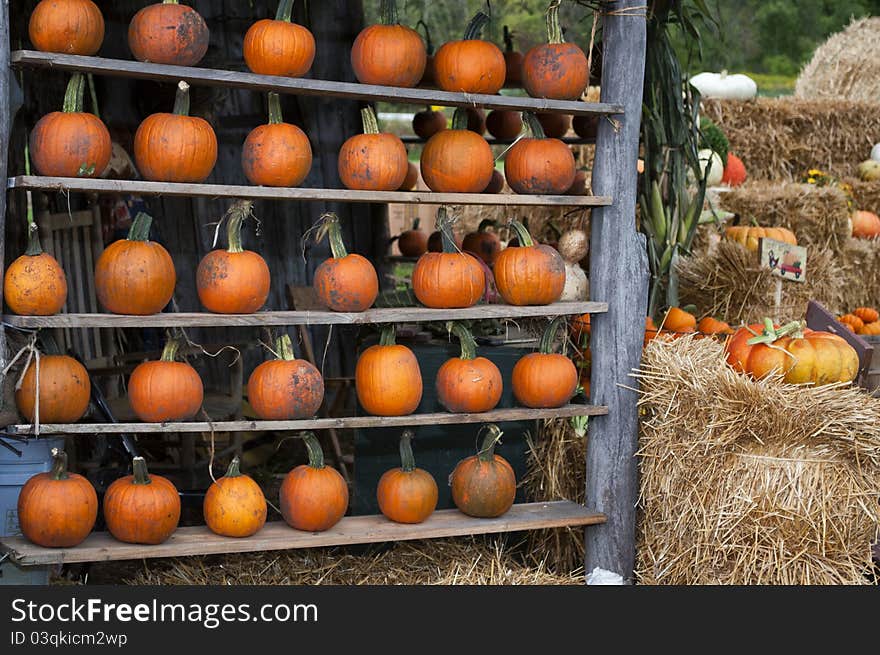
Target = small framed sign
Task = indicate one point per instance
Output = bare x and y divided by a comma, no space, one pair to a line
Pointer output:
785,260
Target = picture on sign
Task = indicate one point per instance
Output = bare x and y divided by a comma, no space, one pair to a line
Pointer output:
785,260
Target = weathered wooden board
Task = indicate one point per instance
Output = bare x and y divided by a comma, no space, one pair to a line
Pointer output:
301,85
437,418
277,535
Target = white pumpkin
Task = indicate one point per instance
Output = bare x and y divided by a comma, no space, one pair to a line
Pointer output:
573,245
869,170
716,172
576,287
722,85
875,152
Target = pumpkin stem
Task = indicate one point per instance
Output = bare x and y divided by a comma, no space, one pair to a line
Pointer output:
236,215
234,471
429,45
285,10
139,469
169,352
331,228
181,100
140,227
73,96
407,461
522,234
388,12
772,333
460,119
59,465
508,40
554,32
549,336
475,27
169,2
387,338
284,348
468,343
369,121
275,115
34,247
316,455
445,226
416,222
487,450
533,125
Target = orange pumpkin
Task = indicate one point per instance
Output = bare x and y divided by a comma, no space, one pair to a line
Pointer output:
234,505
412,242
748,237
798,354
513,61
65,390
853,322
72,27
865,225
34,284
483,243
457,160
277,154
313,497
165,390
412,178
468,384
388,381
556,69
545,379
175,147
279,47
484,485
867,314
71,142
585,126
678,320
448,279
344,282
529,274
285,388
407,494
373,161
734,171
712,326
168,33
651,330
504,124
555,125
427,123
141,508
871,329
470,65
135,275
389,54
496,182
57,509
235,280
537,164
580,328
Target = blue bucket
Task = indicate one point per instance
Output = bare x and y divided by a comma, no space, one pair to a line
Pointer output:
15,470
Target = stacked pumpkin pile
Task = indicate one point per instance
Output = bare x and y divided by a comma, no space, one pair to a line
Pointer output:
862,320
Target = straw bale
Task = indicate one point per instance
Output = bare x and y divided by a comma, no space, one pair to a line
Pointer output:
860,266
782,138
844,66
866,195
752,482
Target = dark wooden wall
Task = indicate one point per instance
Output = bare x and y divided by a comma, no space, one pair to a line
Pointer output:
182,224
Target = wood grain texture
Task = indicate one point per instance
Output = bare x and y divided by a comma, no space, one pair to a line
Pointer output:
619,276
300,86
277,535
435,418
142,187
260,319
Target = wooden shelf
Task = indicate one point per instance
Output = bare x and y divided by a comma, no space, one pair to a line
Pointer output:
300,86
144,188
437,418
260,319
277,535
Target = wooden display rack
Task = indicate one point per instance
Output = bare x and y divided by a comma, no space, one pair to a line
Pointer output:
618,276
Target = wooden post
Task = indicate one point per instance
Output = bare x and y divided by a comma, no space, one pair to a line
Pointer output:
618,276
6,116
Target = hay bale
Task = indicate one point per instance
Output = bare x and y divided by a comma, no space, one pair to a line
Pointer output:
782,138
752,482
866,195
728,283
860,268
843,67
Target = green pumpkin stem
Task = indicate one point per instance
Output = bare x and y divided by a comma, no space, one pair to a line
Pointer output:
181,100
522,234
445,226
330,227
73,96
139,469
284,348
487,449
34,247
236,216
285,10
140,227
275,115
416,222
234,470
169,2
407,461
549,336
475,27
316,455
460,119
508,40
429,45
387,338
468,343
533,125
59,465
388,12
554,31
771,333
369,121
172,347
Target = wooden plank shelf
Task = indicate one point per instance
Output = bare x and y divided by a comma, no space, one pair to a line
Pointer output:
339,423
301,85
260,319
145,188
277,535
